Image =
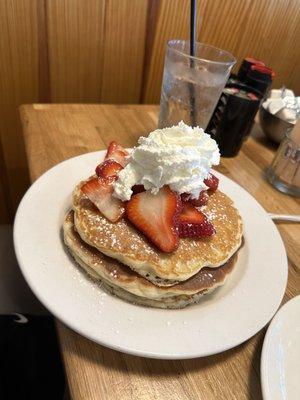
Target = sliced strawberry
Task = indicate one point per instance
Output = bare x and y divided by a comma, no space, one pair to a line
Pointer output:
117,153
138,189
193,223
154,215
108,169
212,182
99,191
201,201
191,215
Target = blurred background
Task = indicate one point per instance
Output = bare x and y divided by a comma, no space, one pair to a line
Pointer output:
112,51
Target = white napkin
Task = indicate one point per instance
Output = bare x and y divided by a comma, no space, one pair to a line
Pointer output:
277,93
274,105
282,107
287,115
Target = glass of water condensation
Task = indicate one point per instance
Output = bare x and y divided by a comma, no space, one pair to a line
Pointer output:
192,86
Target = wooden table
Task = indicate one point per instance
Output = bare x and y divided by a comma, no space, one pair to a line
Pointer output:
54,133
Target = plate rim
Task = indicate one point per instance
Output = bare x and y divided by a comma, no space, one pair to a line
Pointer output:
122,348
266,346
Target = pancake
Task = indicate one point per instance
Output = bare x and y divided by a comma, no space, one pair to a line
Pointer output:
127,284
126,244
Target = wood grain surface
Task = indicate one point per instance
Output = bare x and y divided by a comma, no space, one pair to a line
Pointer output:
54,133
75,35
123,51
18,84
112,51
5,207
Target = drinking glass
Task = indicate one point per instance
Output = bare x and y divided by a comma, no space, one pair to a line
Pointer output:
284,172
192,86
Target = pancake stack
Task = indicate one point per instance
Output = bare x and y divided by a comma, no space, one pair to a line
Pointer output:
128,265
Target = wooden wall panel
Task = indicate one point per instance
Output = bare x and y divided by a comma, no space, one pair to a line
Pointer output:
266,29
112,51
75,40
125,31
172,21
18,84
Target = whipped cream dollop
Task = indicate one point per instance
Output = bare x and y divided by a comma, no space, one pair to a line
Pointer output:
179,156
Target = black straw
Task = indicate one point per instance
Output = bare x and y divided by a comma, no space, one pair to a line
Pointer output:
193,28
192,61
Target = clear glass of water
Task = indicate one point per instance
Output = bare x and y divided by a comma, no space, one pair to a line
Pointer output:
284,172
192,86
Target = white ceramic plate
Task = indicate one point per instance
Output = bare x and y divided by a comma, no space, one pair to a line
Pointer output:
280,359
222,320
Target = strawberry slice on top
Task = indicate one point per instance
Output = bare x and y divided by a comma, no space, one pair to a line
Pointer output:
99,192
202,199
154,215
199,202
117,153
212,182
108,170
193,223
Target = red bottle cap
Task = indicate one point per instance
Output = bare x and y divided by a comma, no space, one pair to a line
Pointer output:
254,61
263,70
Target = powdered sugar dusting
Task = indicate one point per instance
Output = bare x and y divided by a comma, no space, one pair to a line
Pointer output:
123,238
